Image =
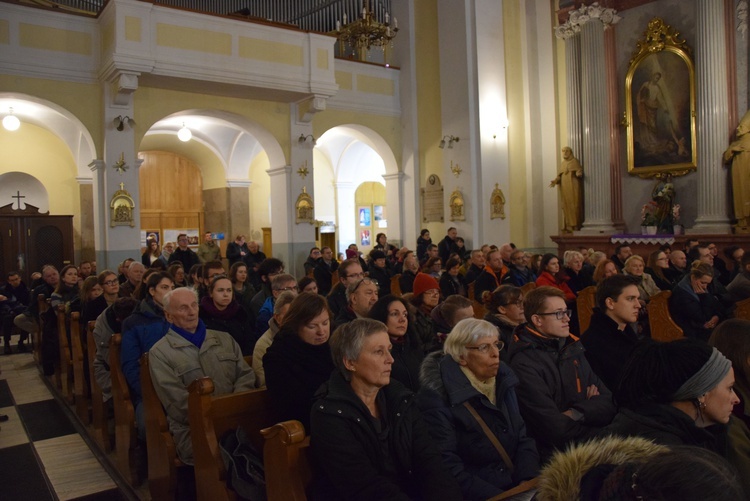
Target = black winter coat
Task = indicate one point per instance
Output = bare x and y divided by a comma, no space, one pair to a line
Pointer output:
554,375
323,274
608,348
294,372
667,425
237,325
466,450
408,355
358,457
691,311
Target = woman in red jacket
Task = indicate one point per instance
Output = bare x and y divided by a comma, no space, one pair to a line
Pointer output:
550,275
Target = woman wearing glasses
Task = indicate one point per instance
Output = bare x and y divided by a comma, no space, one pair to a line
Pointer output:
562,400
221,312
407,350
470,380
504,311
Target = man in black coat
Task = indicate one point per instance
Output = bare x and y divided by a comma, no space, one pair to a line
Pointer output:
448,244
184,254
622,253
610,338
14,299
324,270
27,321
476,267
237,250
253,259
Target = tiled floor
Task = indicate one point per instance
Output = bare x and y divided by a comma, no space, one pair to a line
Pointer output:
42,455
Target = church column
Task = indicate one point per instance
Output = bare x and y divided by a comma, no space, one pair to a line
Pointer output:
596,144
393,206
86,194
346,215
238,210
573,82
712,118
282,212
115,243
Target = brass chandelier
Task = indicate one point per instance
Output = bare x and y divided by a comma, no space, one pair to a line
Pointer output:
366,32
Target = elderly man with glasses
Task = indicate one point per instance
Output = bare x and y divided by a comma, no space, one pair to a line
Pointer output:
350,272
360,296
561,398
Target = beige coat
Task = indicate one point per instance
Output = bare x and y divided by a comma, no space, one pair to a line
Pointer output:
175,362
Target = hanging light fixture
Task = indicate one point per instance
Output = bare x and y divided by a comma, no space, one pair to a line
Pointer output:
451,140
11,122
184,134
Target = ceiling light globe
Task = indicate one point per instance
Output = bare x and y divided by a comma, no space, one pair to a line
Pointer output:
184,134
11,123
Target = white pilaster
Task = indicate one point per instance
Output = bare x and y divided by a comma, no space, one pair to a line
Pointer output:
573,82
394,203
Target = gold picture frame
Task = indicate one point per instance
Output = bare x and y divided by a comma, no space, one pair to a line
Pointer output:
660,105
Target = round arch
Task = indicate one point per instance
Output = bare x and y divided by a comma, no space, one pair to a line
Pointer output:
57,120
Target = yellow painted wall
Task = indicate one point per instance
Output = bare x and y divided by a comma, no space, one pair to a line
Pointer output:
83,100
260,210
41,154
516,195
152,104
429,118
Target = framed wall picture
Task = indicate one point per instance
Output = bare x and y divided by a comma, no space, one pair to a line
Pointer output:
660,105
365,216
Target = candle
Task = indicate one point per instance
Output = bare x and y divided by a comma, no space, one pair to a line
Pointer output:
344,18
364,12
395,23
387,18
338,25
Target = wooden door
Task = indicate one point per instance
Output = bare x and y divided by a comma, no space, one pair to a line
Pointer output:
49,240
8,246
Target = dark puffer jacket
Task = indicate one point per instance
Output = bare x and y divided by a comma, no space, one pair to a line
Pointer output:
554,376
466,450
359,457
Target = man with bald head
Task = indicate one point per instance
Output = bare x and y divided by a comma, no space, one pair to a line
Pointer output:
677,267
188,352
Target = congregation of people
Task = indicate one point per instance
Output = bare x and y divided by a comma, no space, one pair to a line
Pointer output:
405,393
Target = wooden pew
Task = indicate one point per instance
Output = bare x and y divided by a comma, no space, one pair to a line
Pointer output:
81,390
479,310
66,359
396,285
528,287
36,337
125,430
470,290
212,416
286,462
99,421
586,301
663,327
162,453
742,309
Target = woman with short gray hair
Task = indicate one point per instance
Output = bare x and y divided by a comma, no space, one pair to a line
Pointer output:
366,436
466,394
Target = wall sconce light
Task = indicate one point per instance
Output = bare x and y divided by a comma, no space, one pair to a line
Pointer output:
120,122
451,140
184,134
303,139
11,122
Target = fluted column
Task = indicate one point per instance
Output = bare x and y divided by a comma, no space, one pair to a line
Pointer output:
594,118
711,82
573,80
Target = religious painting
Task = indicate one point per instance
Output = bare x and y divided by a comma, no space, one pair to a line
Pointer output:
364,238
378,213
365,217
149,235
660,105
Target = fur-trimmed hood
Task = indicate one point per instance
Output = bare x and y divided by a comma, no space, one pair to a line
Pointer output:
560,480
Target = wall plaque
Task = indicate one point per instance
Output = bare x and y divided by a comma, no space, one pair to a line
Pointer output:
432,201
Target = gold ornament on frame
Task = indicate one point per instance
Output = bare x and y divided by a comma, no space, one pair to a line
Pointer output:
497,203
304,208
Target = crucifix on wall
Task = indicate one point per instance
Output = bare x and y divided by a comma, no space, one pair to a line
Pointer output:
18,198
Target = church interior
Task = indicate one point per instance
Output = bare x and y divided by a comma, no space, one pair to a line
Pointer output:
279,121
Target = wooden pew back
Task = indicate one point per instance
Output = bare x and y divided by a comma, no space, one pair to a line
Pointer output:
742,309
66,360
528,287
586,301
210,418
125,432
36,337
81,389
396,285
663,327
285,457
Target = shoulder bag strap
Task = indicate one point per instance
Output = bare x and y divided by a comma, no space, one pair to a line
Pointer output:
490,435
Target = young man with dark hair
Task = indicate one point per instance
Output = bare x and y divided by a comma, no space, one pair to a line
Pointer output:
183,253
448,245
324,270
561,399
209,250
610,338
268,269
350,271
622,253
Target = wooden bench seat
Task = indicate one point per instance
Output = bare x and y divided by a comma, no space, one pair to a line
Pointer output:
663,327
210,417
285,458
585,303
81,390
66,358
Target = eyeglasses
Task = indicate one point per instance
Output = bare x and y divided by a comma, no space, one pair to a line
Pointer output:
355,275
111,282
518,302
295,288
367,281
559,315
486,347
